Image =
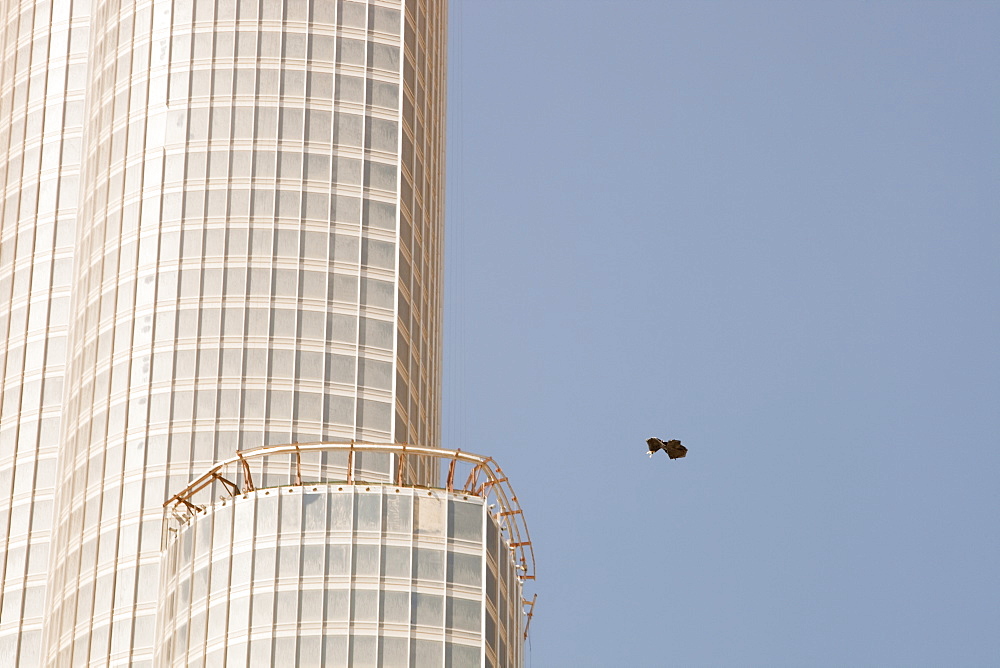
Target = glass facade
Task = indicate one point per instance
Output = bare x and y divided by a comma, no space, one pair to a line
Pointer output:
340,575
43,68
221,227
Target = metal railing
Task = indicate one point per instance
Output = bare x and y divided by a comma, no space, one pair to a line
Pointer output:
482,477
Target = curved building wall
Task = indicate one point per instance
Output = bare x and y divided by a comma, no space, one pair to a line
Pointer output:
421,248
240,276
43,66
336,575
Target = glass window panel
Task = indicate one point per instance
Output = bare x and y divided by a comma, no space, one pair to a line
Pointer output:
264,563
267,118
285,647
279,408
385,95
345,209
260,652
347,170
344,247
465,569
291,118
236,653
338,560
398,513
396,607
337,604
313,561
339,368
232,324
491,582
381,176
313,284
491,630
288,561
257,321
318,125
492,538
383,135
264,165
368,512
309,407
268,83
393,651
375,374
376,415
310,367
288,607
243,125
364,650
376,333
426,653
285,282
281,363
385,20
347,129
353,14
295,42
320,85
217,620
314,509
241,568
317,168
428,609
365,605
428,564
289,167
237,242
316,206
397,561
267,515
350,51
321,46
465,521
350,89
284,321
462,656
366,559
464,614
380,214
310,648
385,57
241,161
338,410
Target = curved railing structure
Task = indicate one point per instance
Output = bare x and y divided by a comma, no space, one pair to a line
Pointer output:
482,477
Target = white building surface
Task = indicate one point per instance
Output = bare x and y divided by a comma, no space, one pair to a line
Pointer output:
221,229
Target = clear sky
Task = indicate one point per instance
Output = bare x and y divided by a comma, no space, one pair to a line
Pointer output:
768,229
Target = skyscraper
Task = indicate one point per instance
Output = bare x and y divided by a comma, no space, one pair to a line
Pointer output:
222,230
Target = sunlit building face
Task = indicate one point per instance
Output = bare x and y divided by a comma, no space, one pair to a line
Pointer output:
221,227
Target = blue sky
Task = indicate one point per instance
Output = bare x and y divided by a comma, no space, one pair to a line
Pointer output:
768,229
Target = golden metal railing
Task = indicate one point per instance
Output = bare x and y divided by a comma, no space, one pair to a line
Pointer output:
484,479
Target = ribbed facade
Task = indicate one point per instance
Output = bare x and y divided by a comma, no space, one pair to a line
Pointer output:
222,227
341,575
43,72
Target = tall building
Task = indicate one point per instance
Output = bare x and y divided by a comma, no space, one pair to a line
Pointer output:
222,229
